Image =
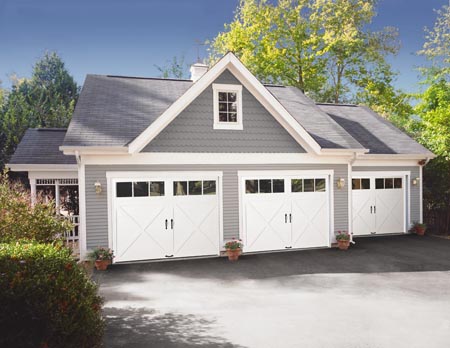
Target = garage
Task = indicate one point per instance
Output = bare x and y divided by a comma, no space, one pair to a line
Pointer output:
379,203
170,215
285,210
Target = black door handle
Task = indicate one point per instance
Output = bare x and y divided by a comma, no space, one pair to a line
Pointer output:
171,224
290,218
285,218
166,224
370,209
374,209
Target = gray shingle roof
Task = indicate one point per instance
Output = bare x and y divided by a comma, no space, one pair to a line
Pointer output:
41,146
112,110
373,131
325,131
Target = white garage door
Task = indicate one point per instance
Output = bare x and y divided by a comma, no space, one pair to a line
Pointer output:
160,218
285,211
378,204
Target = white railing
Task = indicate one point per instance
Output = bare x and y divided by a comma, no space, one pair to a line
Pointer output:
72,236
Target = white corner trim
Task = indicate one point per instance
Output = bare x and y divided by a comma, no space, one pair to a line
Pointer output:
238,125
82,208
420,194
250,82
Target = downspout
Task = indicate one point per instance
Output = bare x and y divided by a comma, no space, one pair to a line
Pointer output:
352,160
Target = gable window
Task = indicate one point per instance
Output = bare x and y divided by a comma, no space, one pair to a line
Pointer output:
227,106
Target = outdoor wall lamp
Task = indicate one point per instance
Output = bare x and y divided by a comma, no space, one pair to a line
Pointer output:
98,187
415,181
340,183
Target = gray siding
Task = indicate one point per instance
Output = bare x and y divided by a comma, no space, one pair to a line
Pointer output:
97,211
192,130
415,190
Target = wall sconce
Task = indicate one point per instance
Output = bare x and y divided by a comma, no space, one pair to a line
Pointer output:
340,183
415,181
98,187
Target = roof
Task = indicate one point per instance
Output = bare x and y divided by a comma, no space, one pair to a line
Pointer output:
373,131
325,131
41,146
113,110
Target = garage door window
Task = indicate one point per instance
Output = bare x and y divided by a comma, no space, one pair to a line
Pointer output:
194,188
308,185
140,189
124,189
388,183
360,184
264,186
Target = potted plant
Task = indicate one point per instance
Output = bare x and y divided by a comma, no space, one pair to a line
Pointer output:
343,239
102,257
418,228
233,248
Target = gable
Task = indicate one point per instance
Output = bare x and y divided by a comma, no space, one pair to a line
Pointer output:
192,130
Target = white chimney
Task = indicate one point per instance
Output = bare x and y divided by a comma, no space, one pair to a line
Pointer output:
198,70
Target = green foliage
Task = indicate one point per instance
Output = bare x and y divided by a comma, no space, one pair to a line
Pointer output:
176,68
19,219
47,300
342,235
47,99
322,47
234,244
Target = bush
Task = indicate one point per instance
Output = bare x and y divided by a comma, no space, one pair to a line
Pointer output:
46,299
19,219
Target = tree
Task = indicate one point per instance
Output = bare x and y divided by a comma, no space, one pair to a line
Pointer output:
433,124
322,47
173,69
47,99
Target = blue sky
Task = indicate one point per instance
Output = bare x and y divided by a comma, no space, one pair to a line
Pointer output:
128,37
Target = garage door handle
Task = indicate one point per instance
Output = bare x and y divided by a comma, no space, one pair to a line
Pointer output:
166,224
285,218
374,209
370,209
290,218
171,224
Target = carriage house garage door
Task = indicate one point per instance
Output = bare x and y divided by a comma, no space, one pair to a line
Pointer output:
379,202
285,210
165,215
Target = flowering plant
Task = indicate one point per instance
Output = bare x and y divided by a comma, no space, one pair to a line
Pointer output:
234,244
342,236
101,254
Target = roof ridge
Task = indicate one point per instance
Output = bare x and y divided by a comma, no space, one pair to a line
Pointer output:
143,78
50,129
340,104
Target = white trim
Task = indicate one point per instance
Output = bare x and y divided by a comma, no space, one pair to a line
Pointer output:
417,157
73,150
33,189
217,88
82,208
41,167
392,173
53,175
214,158
250,82
421,194
164,174
261,174
350,201
385,163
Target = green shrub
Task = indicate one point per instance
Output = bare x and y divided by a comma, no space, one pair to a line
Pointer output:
19,219
46,299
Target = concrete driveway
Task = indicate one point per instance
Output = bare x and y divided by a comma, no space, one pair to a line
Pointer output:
383,292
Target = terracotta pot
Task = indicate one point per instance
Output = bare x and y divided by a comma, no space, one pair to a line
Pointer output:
102,265
343,244
233,255
420,231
